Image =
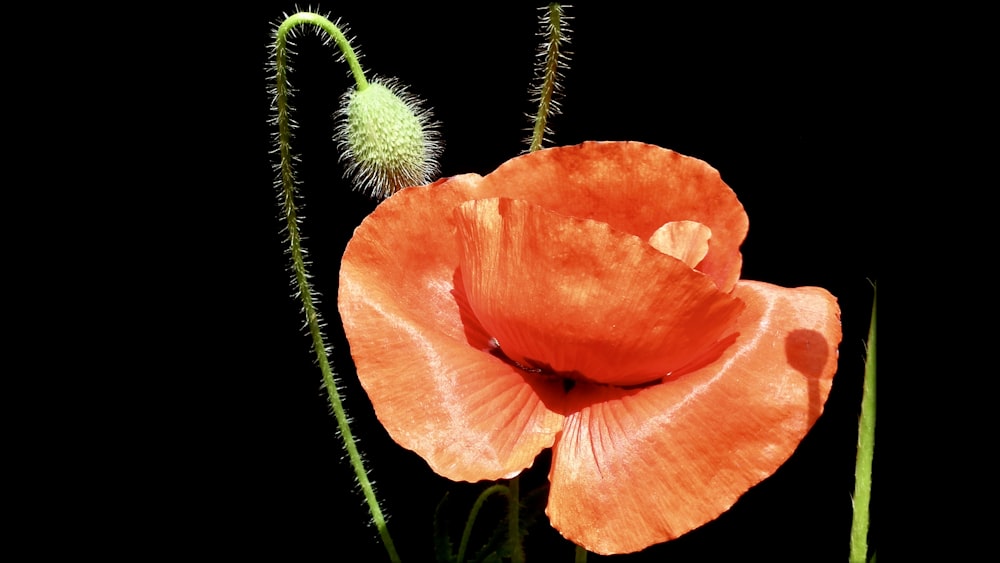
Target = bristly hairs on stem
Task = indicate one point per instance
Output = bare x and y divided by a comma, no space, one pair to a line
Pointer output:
287,185
553,58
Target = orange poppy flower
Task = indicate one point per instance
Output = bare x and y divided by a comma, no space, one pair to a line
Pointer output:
587,299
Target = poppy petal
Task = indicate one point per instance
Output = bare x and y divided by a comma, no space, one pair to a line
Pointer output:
686,241
427,368
635,188
575,297
637,467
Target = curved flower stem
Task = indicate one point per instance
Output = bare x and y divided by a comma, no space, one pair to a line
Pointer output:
555,35
866,450
304,289
581,555
474,513
301,18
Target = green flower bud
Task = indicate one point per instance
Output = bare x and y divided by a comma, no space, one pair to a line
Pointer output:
387,140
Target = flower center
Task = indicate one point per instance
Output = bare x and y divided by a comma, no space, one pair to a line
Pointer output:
569,380
577,299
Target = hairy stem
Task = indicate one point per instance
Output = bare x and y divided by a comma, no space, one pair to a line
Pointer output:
301,276
866,450
555,35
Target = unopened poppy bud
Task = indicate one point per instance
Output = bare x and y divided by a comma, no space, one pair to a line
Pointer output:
387,139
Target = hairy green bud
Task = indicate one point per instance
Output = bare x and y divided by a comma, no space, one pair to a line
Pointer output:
387,139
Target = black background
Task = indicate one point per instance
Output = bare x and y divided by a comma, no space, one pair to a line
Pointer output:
790,108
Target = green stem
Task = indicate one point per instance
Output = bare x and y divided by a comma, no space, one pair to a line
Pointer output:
474,513
554,36
301,275
281,40
514,530
581,555
866,450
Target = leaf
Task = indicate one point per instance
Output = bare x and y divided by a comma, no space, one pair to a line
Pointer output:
496,546
444,550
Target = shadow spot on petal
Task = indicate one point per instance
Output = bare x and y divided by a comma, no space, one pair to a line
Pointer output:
807,351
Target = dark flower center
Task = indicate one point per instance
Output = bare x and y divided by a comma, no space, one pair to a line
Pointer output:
569,379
